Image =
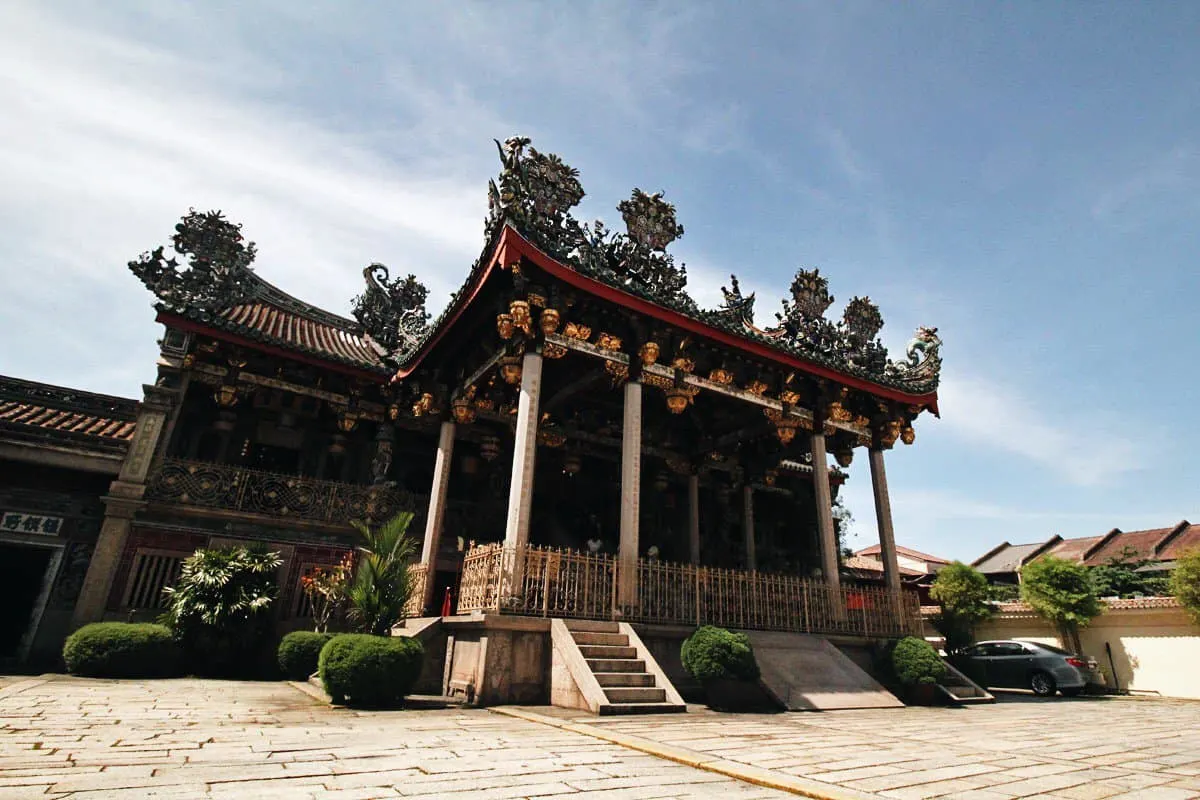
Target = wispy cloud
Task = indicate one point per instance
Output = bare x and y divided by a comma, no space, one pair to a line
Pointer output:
1084,450
1171,172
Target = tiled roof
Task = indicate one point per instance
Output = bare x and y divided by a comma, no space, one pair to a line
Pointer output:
1126,604
1185,540
38,410
1073,549
287,328
862,563
56,419
1007,559
273,317
1140,543
904,551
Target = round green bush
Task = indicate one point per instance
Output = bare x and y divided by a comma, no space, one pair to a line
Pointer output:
122,650
915,661
298,653
370,671
714,653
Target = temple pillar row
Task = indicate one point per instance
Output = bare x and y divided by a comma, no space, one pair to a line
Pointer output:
520,493
631,484
883,517
825,531
437,508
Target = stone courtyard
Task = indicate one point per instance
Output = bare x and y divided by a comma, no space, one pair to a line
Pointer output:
64,737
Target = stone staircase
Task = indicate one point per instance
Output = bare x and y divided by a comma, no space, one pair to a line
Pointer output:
612,670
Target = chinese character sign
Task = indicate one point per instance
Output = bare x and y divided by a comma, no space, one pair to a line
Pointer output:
17,522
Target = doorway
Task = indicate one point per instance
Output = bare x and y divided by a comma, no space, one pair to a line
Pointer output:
23,580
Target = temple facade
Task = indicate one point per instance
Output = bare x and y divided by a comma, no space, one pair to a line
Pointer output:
577,438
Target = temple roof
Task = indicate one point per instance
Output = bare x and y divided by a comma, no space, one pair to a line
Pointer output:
38,412
272,317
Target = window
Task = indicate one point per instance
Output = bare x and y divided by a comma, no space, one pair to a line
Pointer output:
1010,649
153,570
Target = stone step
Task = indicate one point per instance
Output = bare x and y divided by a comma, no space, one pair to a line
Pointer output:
607,651
642,708
639,694
624,679
616,665
609,639
592,625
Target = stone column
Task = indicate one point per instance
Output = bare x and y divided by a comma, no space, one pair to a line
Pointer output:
829,554
124,499
437,508
520,493
694,518
883,517
631,484
748,526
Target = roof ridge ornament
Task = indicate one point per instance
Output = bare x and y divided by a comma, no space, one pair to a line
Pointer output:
392,311
219,272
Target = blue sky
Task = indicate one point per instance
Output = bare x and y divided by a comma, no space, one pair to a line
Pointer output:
1022,175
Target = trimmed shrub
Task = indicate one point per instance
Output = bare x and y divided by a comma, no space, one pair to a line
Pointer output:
713,653
298,653
370,671
915,661
122,650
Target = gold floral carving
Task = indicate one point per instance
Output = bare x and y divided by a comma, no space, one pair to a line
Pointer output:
504,326
550,320
721,376
519,309
649,353
510,370
907,434
789,397
684,364
576,331
607,341
553,351
423,406
756,388
657,381
839,413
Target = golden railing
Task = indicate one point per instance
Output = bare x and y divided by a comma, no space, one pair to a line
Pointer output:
564,583
415,607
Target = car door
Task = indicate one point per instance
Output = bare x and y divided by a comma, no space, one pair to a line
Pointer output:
981,656
1010,665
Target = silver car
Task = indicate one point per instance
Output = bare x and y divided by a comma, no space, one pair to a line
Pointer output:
1012,664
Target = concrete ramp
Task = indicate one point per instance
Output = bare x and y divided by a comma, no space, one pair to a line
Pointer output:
807,673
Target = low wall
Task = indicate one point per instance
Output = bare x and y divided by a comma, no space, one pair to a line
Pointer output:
498,660
1155,646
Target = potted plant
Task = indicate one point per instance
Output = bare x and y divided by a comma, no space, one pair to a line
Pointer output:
723,662
918,668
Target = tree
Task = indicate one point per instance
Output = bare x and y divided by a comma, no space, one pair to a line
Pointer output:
963,593
382,583
1061,592
219,609
1185,582
843,528
1120,577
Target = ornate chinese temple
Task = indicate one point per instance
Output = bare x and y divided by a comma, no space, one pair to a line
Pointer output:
578,438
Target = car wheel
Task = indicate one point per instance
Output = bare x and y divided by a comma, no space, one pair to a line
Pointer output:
1072,692
1042,684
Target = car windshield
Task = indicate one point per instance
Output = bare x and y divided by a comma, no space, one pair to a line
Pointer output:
1051,648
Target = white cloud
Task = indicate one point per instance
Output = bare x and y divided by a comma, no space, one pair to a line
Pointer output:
1084,449
105,142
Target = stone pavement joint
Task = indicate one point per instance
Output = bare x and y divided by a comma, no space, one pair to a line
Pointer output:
692,758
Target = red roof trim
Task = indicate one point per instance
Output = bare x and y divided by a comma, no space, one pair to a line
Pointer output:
513,244
185,324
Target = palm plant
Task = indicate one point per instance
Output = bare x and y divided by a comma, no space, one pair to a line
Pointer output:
219,609
382,583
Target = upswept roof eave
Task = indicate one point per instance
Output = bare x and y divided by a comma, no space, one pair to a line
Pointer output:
219,324
511,245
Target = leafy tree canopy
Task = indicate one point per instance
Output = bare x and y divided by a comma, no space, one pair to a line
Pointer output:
1061,592
963,593
1119,577
1185,583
